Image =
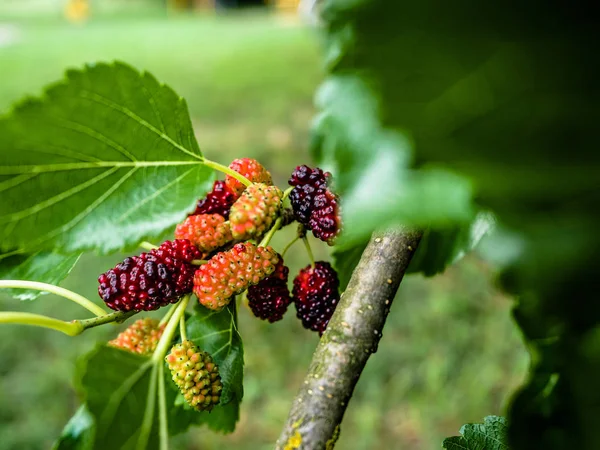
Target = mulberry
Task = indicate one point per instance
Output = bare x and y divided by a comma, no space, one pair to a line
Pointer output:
196,375
255,211
231,272
140,337
314,204
151,280
270,298
217,201
316,294
208,232
251,169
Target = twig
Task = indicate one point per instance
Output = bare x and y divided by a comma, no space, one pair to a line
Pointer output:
351,337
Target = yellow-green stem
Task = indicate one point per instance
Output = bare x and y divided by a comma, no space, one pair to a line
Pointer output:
22,318
165,341
309,251
199,262
226,170
287,247
271,233
163,420
168,315
62,292
148,245
182,332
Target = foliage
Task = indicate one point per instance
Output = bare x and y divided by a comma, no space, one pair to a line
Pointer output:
81,180
490,435
45,266
491,94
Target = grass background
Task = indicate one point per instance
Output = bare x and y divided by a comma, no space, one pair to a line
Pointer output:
450,353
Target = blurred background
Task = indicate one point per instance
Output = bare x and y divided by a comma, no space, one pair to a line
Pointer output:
450,353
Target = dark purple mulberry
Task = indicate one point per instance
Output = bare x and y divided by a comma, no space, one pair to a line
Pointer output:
217,201
270,298
151,280
314,204
316,294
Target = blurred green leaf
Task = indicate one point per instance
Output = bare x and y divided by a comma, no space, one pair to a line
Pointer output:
441,247
104,159
115,385
45,267
491,435
372,165
78,433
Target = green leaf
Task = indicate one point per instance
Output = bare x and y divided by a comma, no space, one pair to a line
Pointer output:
45,267
217,334
115,385
104,159
371,162
441,247
78,433
491,435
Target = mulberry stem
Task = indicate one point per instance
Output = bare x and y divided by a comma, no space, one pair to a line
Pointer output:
199,262
287,247
182,332
37,320
271,233
309,251
65,293
118,316
142,442
163,420
165,341
226,170
148,245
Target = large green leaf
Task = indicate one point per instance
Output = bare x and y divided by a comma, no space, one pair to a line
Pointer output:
102,160
490,435
45,267
115,385
504,95
78,433
372,165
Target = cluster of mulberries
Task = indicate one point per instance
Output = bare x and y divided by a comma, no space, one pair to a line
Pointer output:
315,205
150,280
219,231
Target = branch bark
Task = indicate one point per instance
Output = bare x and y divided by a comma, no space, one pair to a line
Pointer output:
351,337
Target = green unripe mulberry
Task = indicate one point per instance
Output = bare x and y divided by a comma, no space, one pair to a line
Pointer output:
196,375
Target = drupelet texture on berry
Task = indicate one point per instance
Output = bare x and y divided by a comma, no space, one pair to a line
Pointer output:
255,211
314,204
316,294
270,298
151,280
217,201
251,169
196,375
208,232
141,337
231,272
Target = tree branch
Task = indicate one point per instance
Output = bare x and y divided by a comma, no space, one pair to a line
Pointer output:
351,337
